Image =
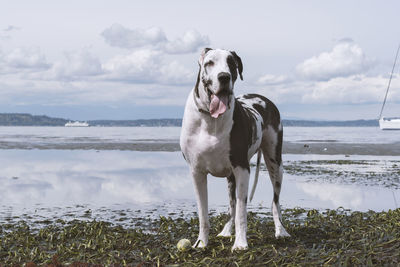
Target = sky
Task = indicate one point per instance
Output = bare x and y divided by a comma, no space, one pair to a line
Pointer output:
85,60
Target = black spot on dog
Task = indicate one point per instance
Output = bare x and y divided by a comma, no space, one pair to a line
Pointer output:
271,117
276,198
278,148
270,113
251,113
242,135
277,184
206,82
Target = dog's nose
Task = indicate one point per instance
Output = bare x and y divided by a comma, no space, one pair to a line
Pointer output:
224,77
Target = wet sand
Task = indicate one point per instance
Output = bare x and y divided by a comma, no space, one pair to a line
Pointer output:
330,148
322,148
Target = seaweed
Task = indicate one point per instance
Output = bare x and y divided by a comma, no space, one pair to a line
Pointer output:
361,172
328,237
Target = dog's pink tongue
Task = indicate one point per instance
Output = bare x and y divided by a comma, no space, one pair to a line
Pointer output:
218,105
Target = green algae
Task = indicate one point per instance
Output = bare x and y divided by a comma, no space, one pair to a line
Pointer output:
384,173
332,237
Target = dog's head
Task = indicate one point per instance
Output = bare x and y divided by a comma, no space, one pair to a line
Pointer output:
218,72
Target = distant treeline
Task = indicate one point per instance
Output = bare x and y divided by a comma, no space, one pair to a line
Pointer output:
136,123
24,119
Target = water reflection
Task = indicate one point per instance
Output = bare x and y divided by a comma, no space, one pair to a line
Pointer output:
351,196
76,177
60,178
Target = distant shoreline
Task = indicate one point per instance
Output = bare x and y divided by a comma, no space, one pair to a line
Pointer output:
25,119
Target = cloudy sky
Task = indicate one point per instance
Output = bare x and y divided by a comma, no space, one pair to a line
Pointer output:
138,59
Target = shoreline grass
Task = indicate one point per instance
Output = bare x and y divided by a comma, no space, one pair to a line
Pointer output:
330,237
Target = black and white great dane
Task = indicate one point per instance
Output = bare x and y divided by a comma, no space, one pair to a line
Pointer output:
220,134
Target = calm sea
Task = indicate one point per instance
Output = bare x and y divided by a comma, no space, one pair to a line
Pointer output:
45,182
153,134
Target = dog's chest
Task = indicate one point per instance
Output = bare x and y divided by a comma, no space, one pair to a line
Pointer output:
208,148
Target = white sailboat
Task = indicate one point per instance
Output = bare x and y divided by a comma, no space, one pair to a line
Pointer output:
389,123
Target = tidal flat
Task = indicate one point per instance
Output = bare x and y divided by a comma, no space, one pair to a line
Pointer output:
83,211
123,197
332,237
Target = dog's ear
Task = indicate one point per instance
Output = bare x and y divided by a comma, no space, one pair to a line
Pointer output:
239,64
203,54
196,87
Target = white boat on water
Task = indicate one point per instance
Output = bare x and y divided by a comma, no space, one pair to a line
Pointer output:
76,124
389,123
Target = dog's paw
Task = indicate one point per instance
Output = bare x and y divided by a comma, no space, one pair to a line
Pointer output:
281,233
240,247
199,244
226,232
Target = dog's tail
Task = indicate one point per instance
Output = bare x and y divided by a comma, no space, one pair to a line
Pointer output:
256,176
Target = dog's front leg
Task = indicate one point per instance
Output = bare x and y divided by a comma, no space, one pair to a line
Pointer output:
242,185
200,187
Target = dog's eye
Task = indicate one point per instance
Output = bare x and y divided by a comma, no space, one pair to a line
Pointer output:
209,63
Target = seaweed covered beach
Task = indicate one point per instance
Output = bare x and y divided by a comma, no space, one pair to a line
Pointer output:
331,237
107,204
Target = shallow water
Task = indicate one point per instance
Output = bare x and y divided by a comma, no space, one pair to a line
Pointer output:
57,135
360,135
97,184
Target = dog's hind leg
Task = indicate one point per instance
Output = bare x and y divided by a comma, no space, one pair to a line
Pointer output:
272,151
227,231
200,187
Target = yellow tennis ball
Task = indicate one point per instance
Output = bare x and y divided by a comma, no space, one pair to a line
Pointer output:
184,244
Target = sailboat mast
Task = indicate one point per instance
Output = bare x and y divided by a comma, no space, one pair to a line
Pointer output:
390,80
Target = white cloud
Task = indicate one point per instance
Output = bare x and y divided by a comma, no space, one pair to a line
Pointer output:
175,73
120,36
270,79
335,77
355,89
345,59
190,42
7,31
154,38
76,65
140,66
137,67
23,59
11,28
146,66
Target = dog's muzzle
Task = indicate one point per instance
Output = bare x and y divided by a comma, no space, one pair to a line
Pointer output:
220,100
